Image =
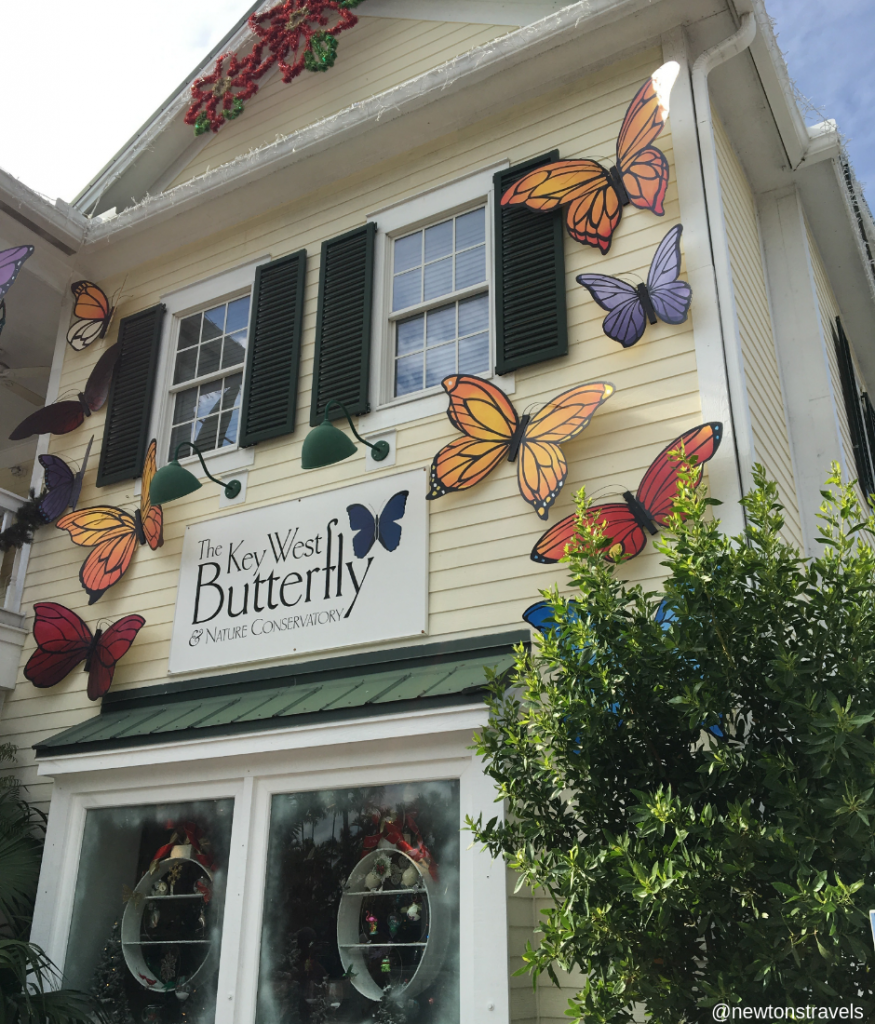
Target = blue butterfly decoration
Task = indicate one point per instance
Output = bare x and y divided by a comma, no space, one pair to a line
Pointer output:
630,307
384,527
541,616
63,486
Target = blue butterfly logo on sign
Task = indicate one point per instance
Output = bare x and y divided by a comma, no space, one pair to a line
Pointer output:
630,306
370,527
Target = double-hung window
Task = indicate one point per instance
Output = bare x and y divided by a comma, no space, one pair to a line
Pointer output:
440,302
208,376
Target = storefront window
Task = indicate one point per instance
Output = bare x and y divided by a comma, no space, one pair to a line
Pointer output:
147,918
361,910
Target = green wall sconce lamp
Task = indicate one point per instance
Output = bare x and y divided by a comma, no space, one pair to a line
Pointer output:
326,444
174,481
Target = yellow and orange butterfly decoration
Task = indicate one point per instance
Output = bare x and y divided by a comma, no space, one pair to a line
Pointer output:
595,195
93,314
493,431
115,535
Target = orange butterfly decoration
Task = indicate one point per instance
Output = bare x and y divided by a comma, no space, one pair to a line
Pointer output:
493,431
93,312
115,535
595,195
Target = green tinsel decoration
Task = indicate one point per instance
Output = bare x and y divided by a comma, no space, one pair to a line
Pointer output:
322,53
27,519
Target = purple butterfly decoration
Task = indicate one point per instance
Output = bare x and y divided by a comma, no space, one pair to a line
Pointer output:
62,485
11,261
630,307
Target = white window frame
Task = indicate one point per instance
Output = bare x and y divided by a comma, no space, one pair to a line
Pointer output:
220,288
393,222
391,749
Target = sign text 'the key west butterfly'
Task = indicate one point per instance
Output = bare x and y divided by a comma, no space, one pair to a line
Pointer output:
330,570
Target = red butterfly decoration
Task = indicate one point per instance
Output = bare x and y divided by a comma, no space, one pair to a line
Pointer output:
62,417
63,640
627,523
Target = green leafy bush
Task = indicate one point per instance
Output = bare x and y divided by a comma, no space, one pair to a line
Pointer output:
696,796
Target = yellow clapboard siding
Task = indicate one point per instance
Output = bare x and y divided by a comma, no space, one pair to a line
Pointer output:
481,578
762,375
374,55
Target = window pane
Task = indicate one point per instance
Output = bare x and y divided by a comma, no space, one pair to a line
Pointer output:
408,252
407,289
238,314
471,267
228,428
362,895
209,357
474,354
440,363
441,325
214,323
205,433
438,241
210,399
409,335
183,409
177,436
145,956
231,393
438,279
186,363
408,374
471,229
234,350
189,331
473,315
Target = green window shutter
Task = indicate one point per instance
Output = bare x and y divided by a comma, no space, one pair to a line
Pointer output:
270,388
343,323
854,410
129,406
530,317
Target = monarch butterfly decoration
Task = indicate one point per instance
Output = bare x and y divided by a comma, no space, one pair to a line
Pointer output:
494,431
595,195
626,524
93,312
630,307
115,535
62,417
63,640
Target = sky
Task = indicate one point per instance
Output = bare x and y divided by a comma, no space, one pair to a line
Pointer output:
112,63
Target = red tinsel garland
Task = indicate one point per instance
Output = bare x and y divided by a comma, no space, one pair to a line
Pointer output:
297,34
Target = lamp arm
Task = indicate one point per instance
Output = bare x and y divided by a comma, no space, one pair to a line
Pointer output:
197,452
379,449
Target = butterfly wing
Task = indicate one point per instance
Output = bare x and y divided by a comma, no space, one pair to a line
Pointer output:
626,318
80,476
670,297
617,522
59,418
62,641
2,314
551,546
540,616
100,378
486,416
152,515
112,645
11,261
93,314
388,527
659,486
362,521
542,467
84,332
113,535
643,167
593,217
59,481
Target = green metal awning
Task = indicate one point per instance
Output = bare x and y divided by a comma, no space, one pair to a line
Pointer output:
241,703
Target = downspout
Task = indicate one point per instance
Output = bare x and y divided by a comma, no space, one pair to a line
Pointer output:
739,410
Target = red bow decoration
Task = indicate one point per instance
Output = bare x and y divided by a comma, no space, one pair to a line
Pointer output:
185,833
390,830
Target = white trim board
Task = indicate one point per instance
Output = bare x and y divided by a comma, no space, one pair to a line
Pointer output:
471,12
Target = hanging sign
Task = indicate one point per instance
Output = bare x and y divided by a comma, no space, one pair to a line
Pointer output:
331,570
